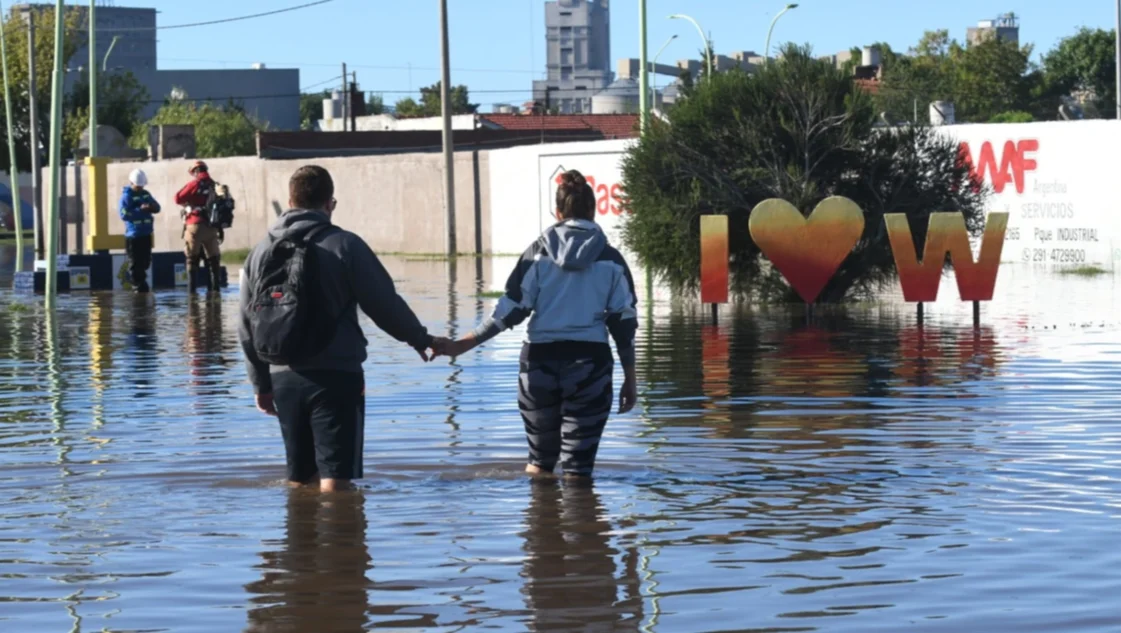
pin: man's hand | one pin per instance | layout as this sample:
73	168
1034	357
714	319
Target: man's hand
628	394
438	343
265	404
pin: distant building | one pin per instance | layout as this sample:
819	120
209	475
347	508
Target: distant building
1005	27
269	95
666	92
135	29
578	54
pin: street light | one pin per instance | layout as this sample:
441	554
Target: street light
654	70
704	38
767	50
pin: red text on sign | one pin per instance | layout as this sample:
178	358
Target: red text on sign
1016	159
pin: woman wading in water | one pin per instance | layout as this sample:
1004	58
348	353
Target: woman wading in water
576	289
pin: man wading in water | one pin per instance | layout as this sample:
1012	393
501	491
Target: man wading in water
299	330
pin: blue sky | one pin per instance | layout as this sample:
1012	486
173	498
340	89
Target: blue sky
497	46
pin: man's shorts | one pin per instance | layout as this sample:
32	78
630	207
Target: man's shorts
322	418
201	239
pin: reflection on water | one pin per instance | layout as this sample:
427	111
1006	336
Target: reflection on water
570	566
849	473
314	578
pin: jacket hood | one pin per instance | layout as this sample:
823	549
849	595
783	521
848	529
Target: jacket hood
574	244
296	221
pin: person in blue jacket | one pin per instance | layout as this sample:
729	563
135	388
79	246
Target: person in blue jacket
137	209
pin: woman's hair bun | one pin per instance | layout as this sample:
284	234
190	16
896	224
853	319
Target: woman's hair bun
572	178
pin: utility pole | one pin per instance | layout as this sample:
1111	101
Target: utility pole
13	167
446	111
353	94
644	73
56	159
345	98
33	142
93	79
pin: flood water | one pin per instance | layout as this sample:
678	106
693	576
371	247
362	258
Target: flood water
853	473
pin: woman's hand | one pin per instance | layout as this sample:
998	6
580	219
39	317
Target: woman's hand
628	394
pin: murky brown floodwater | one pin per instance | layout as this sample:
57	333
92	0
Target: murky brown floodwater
854	474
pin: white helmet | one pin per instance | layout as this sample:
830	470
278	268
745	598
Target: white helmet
138	178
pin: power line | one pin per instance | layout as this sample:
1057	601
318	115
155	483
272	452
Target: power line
325	81
358	66
134	29
222	21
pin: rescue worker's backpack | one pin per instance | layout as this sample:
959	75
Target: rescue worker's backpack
287	321
220	208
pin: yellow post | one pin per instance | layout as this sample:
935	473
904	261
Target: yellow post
99	237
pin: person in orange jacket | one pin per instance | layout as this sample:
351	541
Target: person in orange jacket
201	238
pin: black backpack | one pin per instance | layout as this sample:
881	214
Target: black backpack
287	320
220	211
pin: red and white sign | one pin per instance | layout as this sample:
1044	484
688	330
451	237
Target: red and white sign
1058	183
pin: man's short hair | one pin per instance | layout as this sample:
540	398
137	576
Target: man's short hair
311	187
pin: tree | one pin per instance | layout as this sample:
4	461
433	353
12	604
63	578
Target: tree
798	130
430	102
311	108
15	32
120	99
375	104
917	79
981	80
1085	63
219	130
991	77
408	107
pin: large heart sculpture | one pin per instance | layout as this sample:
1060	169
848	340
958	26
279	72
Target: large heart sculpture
807	251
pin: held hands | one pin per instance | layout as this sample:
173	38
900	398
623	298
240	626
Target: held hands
438	346
446	347
443	346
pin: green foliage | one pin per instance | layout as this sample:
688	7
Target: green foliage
120	99
797	130
15	34
375	104
1085	62
407	107
991	77
311	108
430	102
219	130
1012	117
982	80
235	256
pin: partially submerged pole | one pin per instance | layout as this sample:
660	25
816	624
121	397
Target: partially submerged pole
13	169
33	139
93	78
449	143
55	160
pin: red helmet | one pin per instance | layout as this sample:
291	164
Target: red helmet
197	167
